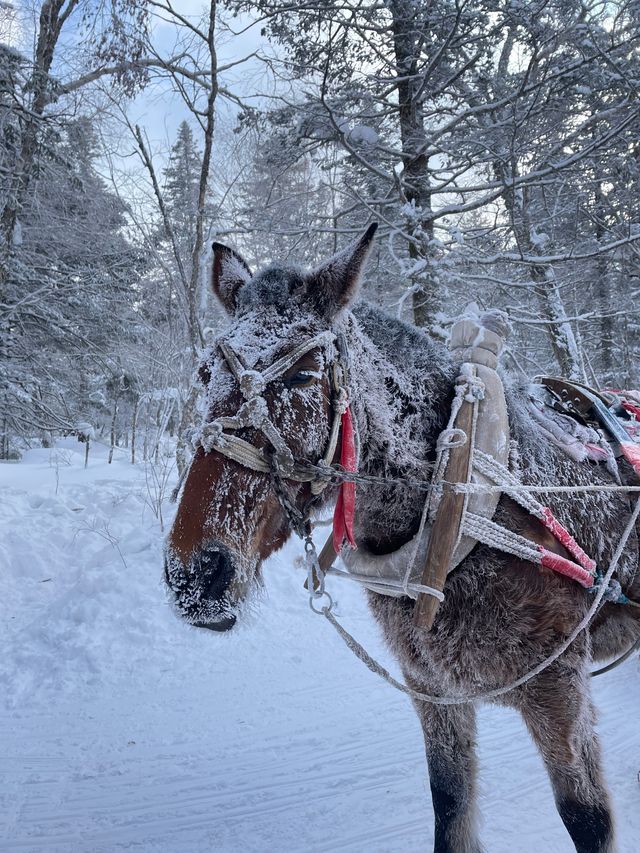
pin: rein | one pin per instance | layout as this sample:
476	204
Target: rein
280	464
375	667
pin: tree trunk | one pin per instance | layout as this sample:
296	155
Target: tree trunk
52	17
415	184
195	332
134	424
605	320
5	439
186	419
113	430
543	277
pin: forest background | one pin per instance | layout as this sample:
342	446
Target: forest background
497	143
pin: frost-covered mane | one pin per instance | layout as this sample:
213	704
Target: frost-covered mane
401	384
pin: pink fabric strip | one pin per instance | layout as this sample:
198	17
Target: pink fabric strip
631	453
566	567
565	538
344	513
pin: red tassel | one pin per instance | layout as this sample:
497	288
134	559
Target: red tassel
633	410
344	513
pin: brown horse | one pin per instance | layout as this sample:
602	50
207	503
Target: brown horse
271	407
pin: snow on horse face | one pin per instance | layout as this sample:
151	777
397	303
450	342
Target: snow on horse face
230	518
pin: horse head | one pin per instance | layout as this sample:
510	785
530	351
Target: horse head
271	384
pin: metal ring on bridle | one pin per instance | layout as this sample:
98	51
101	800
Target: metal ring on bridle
321	609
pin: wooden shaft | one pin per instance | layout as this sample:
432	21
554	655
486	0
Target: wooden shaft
446	525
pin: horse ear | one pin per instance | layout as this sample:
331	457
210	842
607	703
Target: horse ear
334	284
228	275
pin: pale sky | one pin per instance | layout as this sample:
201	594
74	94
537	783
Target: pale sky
159	110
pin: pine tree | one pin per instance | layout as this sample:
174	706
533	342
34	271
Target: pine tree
71	290
182	177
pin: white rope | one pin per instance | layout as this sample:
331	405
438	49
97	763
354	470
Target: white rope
475	390
500	475
449	438
372	580
340	406
378	669
482	487
495	536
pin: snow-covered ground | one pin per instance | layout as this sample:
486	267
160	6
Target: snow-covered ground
121	728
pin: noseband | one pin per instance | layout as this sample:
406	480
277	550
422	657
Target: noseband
280	463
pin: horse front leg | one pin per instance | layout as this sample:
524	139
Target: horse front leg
450	741
559	714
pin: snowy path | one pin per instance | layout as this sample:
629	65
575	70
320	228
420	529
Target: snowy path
123	729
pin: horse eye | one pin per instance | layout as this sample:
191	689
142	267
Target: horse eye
301	379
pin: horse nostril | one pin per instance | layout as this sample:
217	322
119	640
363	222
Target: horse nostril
216	571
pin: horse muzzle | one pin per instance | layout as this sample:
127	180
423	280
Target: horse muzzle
205	589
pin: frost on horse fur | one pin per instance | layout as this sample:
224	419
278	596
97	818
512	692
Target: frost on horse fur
500	617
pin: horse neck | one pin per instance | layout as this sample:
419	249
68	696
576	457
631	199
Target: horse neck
401	388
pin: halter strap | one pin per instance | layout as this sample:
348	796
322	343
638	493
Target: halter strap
254	413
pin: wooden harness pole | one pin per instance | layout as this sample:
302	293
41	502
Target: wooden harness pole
446	525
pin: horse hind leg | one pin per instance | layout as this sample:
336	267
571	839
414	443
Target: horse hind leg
450	735
559	714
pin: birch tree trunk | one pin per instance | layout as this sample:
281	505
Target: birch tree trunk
134	425
543	277
195	332
114	418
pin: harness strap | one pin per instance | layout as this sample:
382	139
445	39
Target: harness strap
500	475
281	465
245	454
496	536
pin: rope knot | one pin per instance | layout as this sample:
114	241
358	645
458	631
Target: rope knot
251	383
323	478
342	401
209	437
284	461
253	412
613	591
449	438
469	385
